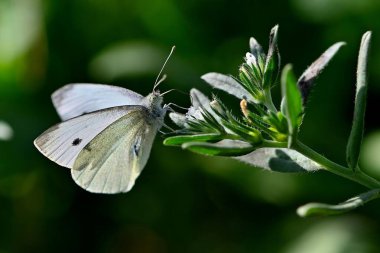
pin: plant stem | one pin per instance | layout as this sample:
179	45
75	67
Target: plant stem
274	144
357	175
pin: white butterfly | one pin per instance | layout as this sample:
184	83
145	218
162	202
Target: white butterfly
106	136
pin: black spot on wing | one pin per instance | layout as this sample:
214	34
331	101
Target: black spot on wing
136	146
76	142
136	150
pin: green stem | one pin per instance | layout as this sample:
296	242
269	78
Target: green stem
357	175
274	144
233	137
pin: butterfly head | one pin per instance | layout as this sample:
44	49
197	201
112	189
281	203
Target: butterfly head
154	104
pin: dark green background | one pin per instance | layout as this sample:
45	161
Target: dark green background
182	202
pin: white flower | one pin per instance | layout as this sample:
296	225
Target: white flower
251	60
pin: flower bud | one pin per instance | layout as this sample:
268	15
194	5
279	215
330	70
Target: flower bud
217	107
251	60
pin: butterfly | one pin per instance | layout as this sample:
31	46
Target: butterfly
106	135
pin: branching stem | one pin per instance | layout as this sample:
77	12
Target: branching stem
357	175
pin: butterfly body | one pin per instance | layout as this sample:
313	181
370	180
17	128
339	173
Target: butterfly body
106	134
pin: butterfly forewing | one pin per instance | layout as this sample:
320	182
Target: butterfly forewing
63	142
112	161
73	100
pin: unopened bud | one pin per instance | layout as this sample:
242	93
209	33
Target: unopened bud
216	106
251	60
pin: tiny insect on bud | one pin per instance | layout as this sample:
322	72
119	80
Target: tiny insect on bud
244	107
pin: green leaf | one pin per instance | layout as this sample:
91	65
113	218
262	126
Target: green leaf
224	148
249	134
319	209
199	100
280	160
306	81
180	139
293	102
356	135
272	63
227	84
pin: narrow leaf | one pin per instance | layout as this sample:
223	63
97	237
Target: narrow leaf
293	102
319	209
356	135
247	133
180	139
306	81
212	119
219	149
272	63
199	100
227	84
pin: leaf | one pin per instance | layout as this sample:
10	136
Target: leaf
319	209
227	84
306	81
180	139
272	63
356	135
223	148
249	134
199	100
293	102
280	160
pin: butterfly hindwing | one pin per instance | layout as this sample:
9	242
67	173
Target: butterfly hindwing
63	142
113	160
73	100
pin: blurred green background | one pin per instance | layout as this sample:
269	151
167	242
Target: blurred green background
182	202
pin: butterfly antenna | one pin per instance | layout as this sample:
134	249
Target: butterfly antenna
166	92
157	82
170	104
160	81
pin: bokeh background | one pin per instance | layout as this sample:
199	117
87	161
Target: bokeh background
182	202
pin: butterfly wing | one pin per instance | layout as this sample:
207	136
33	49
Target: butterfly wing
113	160
73	100
63	142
